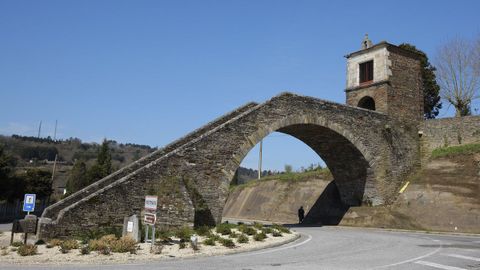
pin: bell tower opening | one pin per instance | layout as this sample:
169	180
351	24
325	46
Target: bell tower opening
367	103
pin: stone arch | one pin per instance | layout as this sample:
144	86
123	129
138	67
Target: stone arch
367	102
347	158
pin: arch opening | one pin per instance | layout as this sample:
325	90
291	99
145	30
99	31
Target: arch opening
349	169
367	102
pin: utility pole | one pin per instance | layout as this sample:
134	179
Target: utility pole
260	161
39	129
55	133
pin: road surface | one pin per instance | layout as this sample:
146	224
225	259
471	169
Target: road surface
333	248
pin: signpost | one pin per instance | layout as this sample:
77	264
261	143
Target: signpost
29	203
150	217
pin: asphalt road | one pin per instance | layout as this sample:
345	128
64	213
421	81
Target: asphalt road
334	248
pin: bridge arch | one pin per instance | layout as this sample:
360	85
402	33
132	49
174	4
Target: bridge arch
347	158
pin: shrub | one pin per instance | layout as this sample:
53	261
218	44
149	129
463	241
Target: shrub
164	235
248	230
55	242
17	244
233	234
267	230
281	228
209	241
184	233
49	246
4	251
223	229
124	244
203	230
85	250
182	245
69	244
226	242
257	225
27	250
108	239
259	236
243	238
104	250
276	233
97	245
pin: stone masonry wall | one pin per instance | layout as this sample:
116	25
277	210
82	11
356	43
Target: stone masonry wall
405	98
450	131
378	92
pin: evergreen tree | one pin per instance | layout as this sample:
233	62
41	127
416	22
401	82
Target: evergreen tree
77	178
38	182
431	90
7	181
103	166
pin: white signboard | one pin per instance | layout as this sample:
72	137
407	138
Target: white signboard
130	226
150	219
151	203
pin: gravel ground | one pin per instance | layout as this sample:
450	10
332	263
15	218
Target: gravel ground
54	256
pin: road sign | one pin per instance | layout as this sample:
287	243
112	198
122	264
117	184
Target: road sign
151	203
29	203
150	218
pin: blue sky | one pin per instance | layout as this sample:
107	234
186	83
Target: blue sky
148	72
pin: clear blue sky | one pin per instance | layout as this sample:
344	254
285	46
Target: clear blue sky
148	72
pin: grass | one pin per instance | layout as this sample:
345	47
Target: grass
323	173
451	151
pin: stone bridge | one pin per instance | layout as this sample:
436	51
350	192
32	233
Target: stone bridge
369	154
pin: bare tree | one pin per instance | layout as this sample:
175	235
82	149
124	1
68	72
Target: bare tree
458	73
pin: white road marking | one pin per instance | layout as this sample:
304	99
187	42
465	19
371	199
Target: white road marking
412	260
439	266
274	250
463	257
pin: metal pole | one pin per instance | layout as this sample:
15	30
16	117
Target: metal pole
260	161
39	129
55	133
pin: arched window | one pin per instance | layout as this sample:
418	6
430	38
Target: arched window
367	103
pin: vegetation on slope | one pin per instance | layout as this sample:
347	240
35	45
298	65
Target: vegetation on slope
456	150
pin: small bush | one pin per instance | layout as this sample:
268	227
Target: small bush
281	228
209	241
4	251
97	245
267	230
164	235
105	250
85	250
257	225
203	230
223	229
17	244
248	230
55	242
108	239
276	233
184	233
49	246
243	238
124	244
259	236
27	250
233	234
182	245
69	244
226	242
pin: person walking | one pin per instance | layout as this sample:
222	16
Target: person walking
301	214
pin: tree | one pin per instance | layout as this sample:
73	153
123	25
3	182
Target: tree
288	168
77	178
38	182
458	73
7	180
431	90
103	166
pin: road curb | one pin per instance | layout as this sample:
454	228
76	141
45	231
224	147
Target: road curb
411	231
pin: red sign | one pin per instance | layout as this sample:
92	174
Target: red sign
150	218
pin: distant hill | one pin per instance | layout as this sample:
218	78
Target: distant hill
33	152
